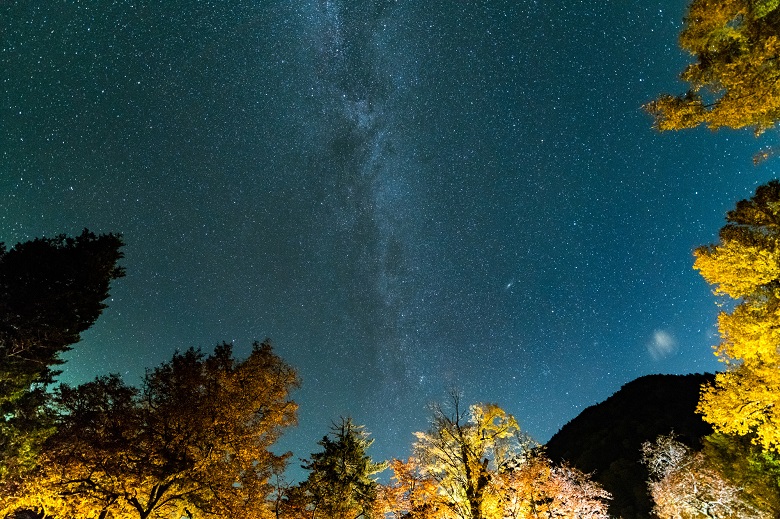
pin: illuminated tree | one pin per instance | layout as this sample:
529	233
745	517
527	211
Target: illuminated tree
51	290
573	494
410	494
536	488
531	487
477	464
734	81
340	485
518	492
464	450
748	466
684	485
193	441
745	265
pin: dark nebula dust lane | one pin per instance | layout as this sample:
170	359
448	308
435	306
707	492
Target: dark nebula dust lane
367	210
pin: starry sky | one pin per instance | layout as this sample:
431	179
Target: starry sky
404	196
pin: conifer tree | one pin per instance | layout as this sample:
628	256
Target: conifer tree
340	485
51	290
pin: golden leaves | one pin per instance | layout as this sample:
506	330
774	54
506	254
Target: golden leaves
750	333
677	113
737	269
478	465
736	70
745	399
745	265
411	493
196	436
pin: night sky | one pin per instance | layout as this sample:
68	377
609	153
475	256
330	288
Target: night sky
404	196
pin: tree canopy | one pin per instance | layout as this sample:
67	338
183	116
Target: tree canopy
463	449
340	483
745	265
476	464
735	80
195	439
686	485
51	290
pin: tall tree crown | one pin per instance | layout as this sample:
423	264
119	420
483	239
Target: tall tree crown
196	438
734	81
340	484
51	290
745	265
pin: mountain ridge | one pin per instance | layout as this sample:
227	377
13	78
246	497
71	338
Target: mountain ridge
605	439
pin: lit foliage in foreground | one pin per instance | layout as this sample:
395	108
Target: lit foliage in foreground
194	441
462	451
538	489
411	493
745	265
685	485
734	82
748	466
479	466
531	489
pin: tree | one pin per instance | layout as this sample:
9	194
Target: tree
735	79
463	450
530	487
684	485
516	492
477	464
745	265
572	494
410	494
748	466
51	290
103	413
538	489
195	439
340	485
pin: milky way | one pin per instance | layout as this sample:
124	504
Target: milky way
368	199
404	196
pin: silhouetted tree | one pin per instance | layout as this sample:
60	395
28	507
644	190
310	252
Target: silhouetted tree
51	290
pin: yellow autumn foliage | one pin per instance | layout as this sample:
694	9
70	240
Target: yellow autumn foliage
750	332
746	400
745	265
476	464
194	441
733	82
736	269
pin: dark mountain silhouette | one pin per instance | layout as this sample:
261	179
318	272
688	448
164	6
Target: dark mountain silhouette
605	439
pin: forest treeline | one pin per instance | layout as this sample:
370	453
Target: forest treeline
195	438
